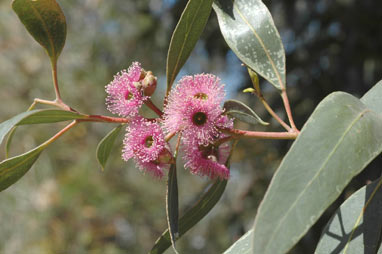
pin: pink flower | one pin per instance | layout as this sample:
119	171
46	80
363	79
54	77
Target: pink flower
206	160
194	107
124	94
144	141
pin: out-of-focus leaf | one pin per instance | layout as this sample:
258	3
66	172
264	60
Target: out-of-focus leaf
12	169
193	216
338	141
45	21
373	98
242	112
356	226
50	116
243	245
106	145
249	30
187	32
172	204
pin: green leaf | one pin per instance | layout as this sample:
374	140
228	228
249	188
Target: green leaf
373	98
356	226
243	245
338	141
12	169
242	112
172	205
45	21
187	32
193	216
50	116
249	30
105	146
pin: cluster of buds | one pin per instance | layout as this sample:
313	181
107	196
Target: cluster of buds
193	111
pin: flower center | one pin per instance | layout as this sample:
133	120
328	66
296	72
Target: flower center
201	96
199	118
128	96
149	141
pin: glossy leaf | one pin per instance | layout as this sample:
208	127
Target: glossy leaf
340	138
242	112
243	245
105	146
45	21
373	98
249	30
172	205
356	226
193	216
187	32
12	169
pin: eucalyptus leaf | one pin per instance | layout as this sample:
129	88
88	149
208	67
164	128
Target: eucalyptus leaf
172	205
12	169
249	30
356	226
243	245
373	98
35	117
242	112
187	32
50	116
45	21
192	216
337	142
106	145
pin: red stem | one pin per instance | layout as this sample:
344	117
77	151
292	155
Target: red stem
261	135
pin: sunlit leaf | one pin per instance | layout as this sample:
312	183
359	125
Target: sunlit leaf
356	226
45	21
242	112
105	146
373	98
338	141
243	245
249	30
185	36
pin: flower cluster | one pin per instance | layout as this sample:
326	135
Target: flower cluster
193	111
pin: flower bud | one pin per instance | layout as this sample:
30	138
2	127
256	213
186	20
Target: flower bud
149	84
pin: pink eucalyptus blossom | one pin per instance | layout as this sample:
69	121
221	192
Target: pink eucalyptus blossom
144	141
124	94
206	160
194	107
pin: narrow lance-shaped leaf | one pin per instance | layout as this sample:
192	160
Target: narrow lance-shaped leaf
338	141
45	21
373	98
187	32
36	117
12	169
356	226
249	30
242	112
192	216
172	205
106	145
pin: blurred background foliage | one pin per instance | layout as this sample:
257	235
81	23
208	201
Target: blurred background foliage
66	204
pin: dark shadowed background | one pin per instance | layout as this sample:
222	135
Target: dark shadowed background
66	204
